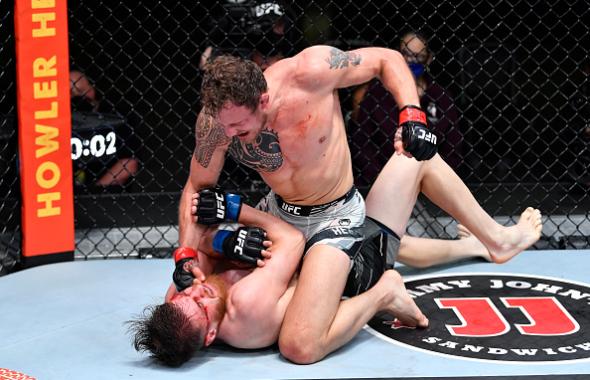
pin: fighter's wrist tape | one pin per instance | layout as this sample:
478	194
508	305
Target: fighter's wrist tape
412	113
234	206
218	240
184	253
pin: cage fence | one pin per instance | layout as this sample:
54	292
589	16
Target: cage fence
504	85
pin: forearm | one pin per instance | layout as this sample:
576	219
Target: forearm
287	242
397	78
189	233
250	216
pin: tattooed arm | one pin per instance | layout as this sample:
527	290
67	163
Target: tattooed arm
206	165
325	68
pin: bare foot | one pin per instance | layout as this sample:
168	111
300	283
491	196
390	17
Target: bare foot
471	244
398	302
515	239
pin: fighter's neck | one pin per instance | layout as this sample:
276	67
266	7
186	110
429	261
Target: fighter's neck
231	276
275	104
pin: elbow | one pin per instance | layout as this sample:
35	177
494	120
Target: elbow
396	57
391	58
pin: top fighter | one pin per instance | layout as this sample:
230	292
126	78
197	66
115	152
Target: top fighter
286	123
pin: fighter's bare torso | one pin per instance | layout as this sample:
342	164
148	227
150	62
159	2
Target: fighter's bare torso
302	151
242	326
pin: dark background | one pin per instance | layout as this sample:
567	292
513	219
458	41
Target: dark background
515	69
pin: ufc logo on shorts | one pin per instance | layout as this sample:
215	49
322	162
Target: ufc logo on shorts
239	248
220	207
427	136
480	318
291	209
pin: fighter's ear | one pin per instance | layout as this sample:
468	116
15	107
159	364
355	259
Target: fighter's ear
211	335
264	100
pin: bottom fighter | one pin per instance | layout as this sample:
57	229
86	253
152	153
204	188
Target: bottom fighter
215	298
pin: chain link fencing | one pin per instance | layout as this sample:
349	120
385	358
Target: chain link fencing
505	88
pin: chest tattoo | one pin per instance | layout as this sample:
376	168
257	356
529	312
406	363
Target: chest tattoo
264	154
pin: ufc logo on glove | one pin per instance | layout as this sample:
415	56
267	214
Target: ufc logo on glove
426	136
220	207
239	248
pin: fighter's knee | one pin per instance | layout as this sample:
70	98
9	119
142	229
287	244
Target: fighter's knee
299	350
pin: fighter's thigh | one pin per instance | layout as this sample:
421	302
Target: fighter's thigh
393	195
317	294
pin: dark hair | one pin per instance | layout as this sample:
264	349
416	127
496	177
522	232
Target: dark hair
231	79
165	331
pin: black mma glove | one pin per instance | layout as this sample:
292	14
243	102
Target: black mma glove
217	207
417	139
183	277
245	244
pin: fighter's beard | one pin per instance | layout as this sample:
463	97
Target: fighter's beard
217	282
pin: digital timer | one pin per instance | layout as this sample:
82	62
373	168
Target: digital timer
96	146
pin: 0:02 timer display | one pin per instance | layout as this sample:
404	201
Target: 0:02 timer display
96	146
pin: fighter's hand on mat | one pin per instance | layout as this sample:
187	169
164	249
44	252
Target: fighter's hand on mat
246	244
415	137
212	206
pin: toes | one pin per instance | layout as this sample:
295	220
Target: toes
423	322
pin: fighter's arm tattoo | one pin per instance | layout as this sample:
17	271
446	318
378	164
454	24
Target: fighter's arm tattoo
210	135
339	59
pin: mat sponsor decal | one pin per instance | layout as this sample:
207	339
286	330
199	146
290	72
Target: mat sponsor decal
498	317
7	374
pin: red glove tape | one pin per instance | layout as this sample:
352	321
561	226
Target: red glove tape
412	113
184	253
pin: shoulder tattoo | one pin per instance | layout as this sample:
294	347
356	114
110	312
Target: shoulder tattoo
339	59
210	135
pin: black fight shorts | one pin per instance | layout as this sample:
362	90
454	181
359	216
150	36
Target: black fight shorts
375	255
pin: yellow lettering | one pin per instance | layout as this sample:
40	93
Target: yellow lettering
44	90
46	140
45	67
38	4
48	199
52	169
43	30
47	114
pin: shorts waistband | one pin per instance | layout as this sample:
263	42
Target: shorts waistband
299	210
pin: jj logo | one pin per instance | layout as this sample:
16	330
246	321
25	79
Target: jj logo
480	318
499	317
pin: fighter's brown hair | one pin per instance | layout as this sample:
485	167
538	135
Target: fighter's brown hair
231	79
165	331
